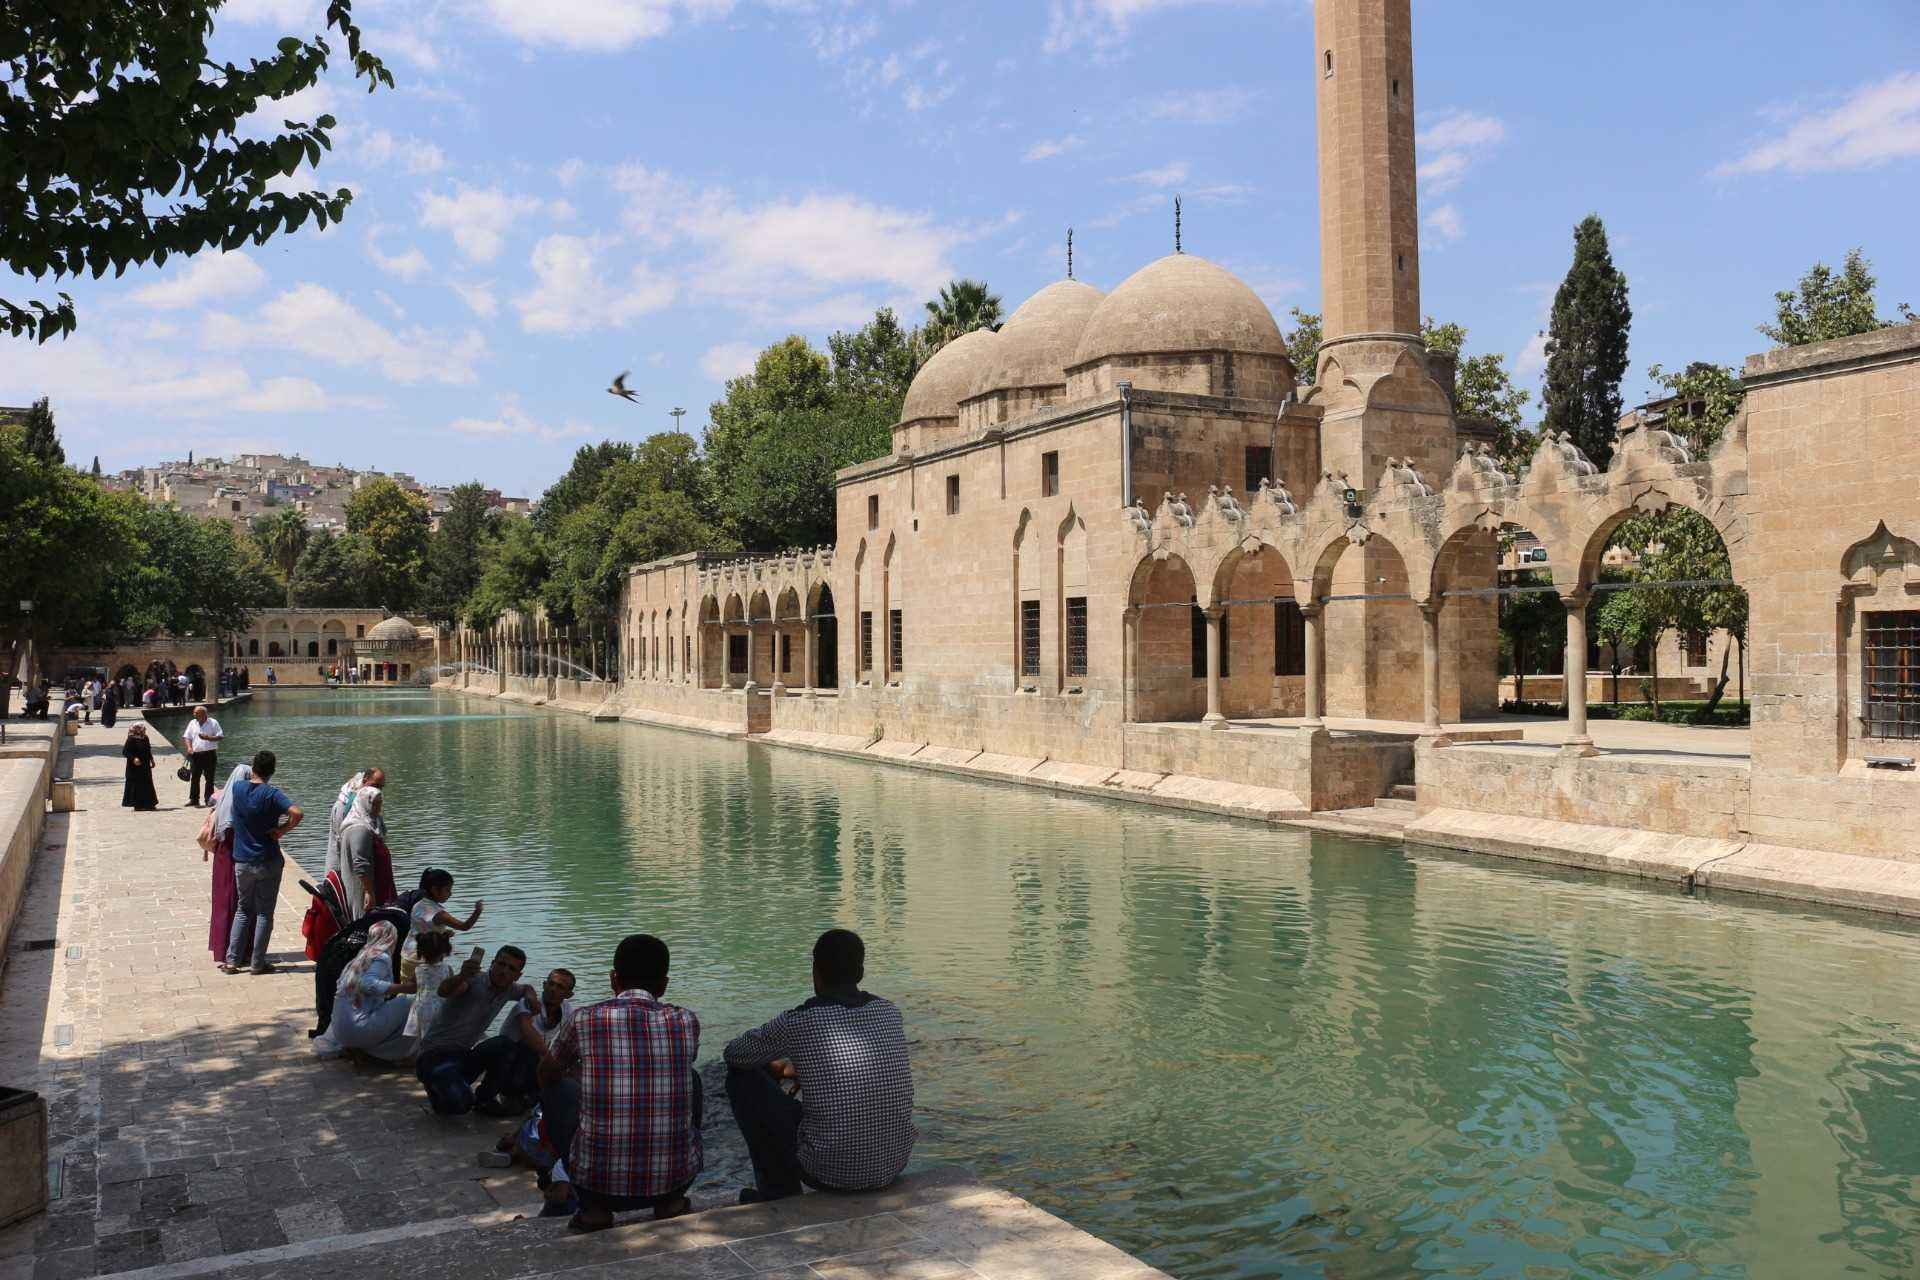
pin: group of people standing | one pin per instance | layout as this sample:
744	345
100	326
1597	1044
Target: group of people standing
201	741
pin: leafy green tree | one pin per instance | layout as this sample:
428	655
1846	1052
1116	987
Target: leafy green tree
1675	547
1623	625
1529	624
190	576
454	551
1484	390
60	532
283	537
42	437
393	524
511	574
96	466
113	108
961	307
334	573
1303	346
1587	346
876	361
1827	305
580	484
1706	397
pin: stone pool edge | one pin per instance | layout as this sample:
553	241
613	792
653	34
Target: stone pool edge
1814	876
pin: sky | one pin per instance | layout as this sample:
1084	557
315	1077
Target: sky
559	190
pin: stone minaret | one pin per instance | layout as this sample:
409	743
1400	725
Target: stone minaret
1369	209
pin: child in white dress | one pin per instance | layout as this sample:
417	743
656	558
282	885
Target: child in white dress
430	915
432	969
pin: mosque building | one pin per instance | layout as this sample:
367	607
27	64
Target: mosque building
1118	548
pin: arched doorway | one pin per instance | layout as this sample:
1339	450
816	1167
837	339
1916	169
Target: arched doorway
1163	671
826	639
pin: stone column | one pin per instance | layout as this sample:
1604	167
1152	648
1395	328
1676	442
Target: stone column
807	630
1430	668
1130	666
1316	707
779	681
1579	742
1213	719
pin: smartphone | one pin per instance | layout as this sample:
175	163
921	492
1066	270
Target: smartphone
477	953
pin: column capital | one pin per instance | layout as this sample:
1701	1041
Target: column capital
1575	597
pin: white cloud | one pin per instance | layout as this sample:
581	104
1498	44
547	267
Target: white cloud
512	420
575	292
729	360
779	257
312	320
478	218
1203	106
210	277
1101	23
570	171
1166	175
1048	148
478	296
85	372
304	106
290	14
408	265
404	43
1877	124
415	155
1532	360
595	26
1445	222
1451	142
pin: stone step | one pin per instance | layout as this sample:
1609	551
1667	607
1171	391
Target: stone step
1395	804
1403	791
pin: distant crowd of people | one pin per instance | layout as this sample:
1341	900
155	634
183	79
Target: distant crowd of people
606	1101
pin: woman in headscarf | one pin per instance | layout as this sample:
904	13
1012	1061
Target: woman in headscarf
110	705
369	1008
360	832
337	815
139	794
216	843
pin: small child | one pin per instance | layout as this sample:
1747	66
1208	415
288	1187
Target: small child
431	916
431	970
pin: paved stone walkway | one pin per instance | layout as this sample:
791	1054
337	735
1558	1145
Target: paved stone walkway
193	1133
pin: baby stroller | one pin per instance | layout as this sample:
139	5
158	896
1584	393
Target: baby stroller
326	914
339	952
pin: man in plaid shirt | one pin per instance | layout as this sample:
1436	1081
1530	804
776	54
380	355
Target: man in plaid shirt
851	1128
638	1141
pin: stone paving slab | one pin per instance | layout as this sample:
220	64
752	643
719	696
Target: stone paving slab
193	1133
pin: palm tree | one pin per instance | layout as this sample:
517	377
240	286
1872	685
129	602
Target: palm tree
283	536
963	306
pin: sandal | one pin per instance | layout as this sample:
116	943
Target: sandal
231	969
579	1226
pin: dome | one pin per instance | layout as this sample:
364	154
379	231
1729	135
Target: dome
393	629
945	380
1180	303
1037	342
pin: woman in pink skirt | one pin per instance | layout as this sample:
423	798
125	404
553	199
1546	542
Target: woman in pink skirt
216	843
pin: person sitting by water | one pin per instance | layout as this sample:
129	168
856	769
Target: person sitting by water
430	915
532	1026
851	1129
369	1008
452	1056
633	1141
35	701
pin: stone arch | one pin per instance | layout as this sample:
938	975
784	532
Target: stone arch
333	635
1160	601
892	622
1263	640
1366	583
1071	578
1625	502
1029	651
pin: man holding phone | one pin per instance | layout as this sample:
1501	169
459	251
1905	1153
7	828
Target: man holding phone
452	1054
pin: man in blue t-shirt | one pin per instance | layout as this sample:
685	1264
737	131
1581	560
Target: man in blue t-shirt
262	813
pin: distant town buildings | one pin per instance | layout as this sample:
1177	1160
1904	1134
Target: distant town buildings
254	484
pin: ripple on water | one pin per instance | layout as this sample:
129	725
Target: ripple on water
1235	1051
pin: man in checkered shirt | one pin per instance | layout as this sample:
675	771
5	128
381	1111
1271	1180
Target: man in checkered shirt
851	1129
638	1141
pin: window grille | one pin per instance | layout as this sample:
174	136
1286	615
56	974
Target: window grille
1029	637
1076	636
896	643
1891	640
1696	648
737	655
866	640
687	660
1289	639
1259	466
1049	474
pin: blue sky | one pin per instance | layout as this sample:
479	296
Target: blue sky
562	189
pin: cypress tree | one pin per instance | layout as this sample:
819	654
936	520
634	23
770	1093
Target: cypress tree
96	466
43	442
1587	345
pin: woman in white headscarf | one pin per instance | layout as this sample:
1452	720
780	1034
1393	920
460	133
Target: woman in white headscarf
369	1008
359	832
342	806
216	843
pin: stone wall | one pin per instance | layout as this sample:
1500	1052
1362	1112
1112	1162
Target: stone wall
138	655
27	760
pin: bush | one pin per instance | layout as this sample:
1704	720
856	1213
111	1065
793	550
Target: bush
1727	714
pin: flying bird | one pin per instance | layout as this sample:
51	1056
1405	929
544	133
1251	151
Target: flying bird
621	389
